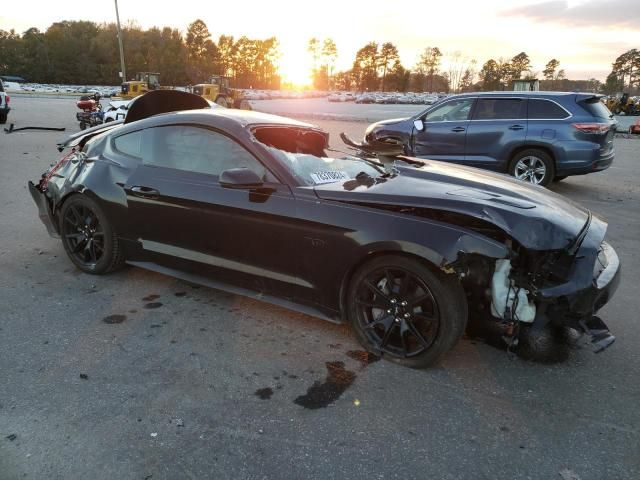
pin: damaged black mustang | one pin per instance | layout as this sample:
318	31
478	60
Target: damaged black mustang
405	250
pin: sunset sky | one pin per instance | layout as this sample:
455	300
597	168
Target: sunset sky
585	35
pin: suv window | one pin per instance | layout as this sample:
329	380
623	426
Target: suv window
545	109
453	110
596	108
199	150
129	144
499	109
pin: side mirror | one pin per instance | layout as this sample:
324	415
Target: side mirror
418	124
240	178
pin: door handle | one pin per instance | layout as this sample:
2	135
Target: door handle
145	192
516	127
458	129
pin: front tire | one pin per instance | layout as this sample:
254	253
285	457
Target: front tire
534	166
87	236
407	313
3	118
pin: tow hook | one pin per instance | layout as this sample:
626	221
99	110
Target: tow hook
601	337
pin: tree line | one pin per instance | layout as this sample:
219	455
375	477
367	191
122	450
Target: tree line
83	52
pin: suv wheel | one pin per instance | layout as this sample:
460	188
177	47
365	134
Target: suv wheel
3	118
533	166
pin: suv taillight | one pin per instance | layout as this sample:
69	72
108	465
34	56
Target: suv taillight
591	127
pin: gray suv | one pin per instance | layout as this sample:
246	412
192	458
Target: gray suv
535	136
4	105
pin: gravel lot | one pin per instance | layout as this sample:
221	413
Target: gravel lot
139	376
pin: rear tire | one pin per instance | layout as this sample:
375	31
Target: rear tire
87	236
3	118
404	311
559	178
533	166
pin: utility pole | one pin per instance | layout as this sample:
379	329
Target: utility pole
124	73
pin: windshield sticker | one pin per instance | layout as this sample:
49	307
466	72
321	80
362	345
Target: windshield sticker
329	177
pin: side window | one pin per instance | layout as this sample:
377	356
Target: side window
199	150
130	144
544	109
453	110
499	109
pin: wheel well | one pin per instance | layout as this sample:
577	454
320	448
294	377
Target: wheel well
58	206
346	280
546	150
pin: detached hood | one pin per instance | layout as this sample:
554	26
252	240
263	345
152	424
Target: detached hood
537	218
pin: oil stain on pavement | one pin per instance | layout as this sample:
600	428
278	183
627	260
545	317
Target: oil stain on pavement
264	393
153	305
362	356
321	395
111	319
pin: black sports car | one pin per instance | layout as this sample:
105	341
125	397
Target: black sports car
403	249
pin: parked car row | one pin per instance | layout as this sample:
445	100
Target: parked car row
400	98
251	94
55	88
106	92
409	98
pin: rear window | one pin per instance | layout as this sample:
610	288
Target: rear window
546	110
499	109
129	144
596	108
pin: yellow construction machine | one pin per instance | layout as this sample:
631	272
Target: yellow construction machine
218	91
623	103
144	82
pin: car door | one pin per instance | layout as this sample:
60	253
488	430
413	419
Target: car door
498	126
444	131
185	220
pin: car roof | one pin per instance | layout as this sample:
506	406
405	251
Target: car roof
244	117
233	121
229	119
512	93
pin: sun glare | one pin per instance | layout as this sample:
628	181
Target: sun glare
295	66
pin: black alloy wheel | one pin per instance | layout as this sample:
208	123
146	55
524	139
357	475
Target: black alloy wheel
403	311
87	236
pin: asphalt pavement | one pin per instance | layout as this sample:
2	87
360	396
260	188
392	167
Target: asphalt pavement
136	375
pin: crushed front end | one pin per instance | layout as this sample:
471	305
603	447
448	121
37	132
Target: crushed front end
560	288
